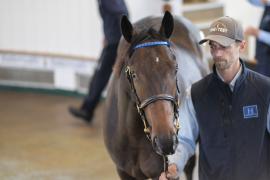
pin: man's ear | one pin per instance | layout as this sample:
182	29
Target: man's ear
242	45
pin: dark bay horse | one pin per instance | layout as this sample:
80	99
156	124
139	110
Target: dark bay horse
141	122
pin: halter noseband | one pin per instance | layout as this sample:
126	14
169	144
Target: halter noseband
141	105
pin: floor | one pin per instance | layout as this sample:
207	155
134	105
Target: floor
40	140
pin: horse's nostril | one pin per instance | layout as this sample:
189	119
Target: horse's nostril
165	145
156	145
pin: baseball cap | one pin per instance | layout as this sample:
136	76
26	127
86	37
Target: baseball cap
225	31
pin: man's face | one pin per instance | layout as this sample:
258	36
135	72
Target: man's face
224	57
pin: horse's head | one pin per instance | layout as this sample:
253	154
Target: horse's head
151	70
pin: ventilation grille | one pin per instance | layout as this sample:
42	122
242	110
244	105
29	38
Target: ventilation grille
83	81
27	75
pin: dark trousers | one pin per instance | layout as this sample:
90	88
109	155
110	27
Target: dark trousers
100	78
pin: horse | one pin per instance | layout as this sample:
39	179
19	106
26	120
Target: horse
141	120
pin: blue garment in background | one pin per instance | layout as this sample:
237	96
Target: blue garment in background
111	12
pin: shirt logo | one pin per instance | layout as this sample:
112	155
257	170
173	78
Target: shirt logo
250	111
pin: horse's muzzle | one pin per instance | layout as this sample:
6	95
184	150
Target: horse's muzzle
165	145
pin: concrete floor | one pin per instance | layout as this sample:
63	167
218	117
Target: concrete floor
40	140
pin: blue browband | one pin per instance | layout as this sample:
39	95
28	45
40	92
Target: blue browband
149	44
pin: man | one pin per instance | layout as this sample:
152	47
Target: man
228	112
262	38
111	12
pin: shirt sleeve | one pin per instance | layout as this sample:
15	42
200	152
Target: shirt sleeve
187	136
264	36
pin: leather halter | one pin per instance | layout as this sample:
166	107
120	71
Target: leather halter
167	97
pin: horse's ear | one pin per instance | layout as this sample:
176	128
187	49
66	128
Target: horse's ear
167	25
126	28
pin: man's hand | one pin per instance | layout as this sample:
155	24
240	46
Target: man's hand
264	1
252	31
172	173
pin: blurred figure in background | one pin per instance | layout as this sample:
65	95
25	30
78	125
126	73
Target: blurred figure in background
111	12
262	35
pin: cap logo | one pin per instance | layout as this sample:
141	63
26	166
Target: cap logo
219	27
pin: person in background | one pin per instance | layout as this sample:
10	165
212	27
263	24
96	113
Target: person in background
262	35
228	113
111	12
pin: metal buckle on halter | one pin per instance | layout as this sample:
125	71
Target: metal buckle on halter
146	130
177	125
127	71
139	109
177	103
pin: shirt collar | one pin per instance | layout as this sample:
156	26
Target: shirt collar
232	83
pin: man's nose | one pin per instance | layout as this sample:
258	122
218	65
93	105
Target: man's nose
217	52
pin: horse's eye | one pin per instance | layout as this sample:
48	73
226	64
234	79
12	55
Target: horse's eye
134	76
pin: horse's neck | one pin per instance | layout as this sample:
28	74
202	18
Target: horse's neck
188	41
187	66
188	69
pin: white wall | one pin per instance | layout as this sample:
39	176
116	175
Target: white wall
74	27
141	8
243	11
71	27
247	14
56	26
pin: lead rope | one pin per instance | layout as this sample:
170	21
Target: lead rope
165	163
